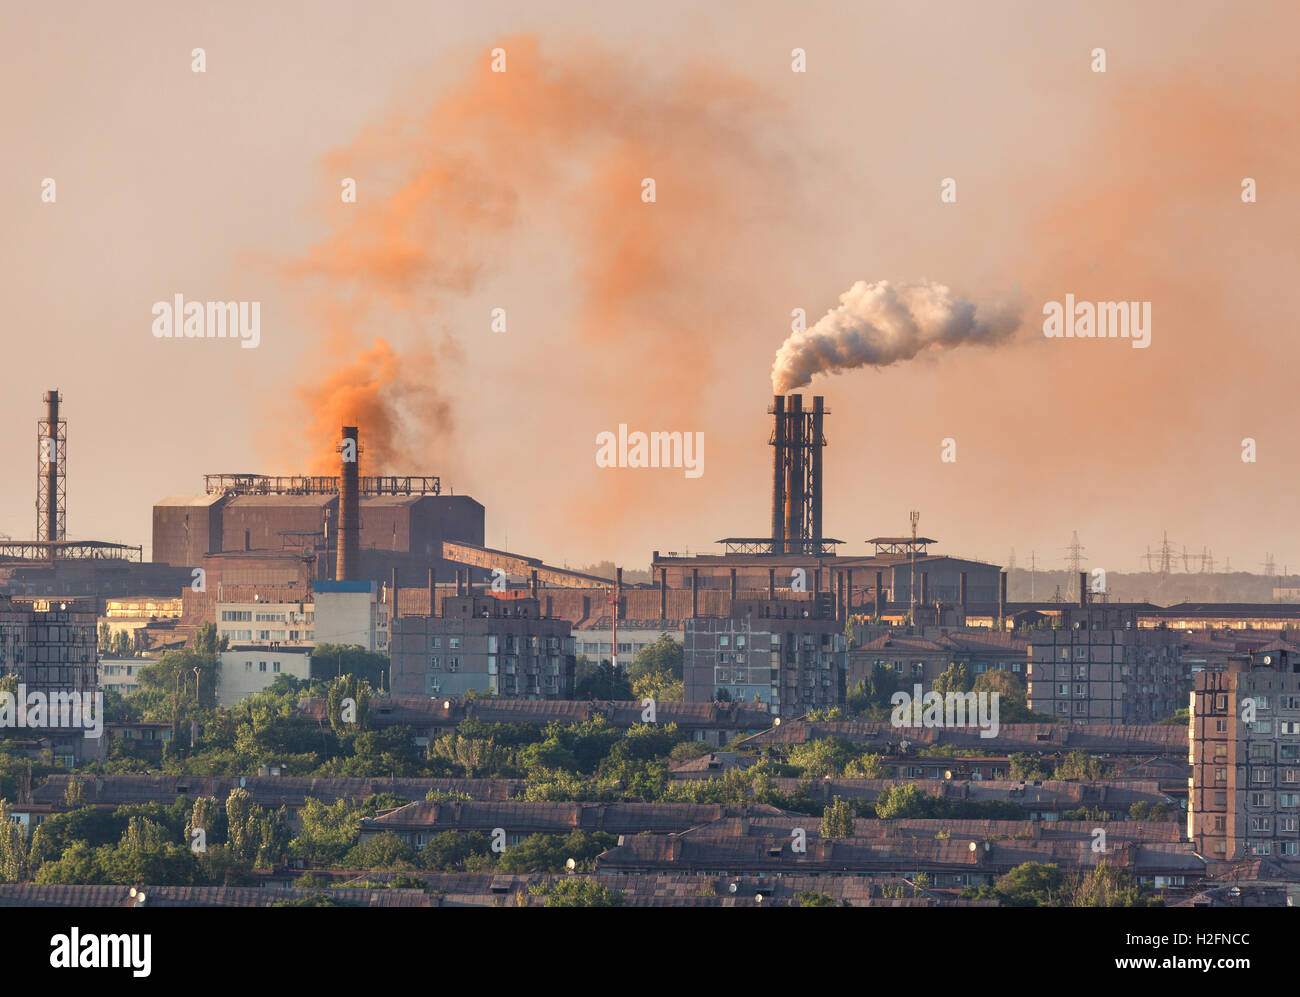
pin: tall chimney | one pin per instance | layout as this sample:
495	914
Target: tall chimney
794	482
961	594
1083	588
349	561
52	467
815	460
1002	596
778	474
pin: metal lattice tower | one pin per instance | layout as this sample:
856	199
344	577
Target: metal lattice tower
1166	554
1076	559
51	461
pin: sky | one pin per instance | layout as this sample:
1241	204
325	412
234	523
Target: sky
774	190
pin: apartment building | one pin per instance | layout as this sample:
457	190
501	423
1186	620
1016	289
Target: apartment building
789	656
247	669
484	645
1244	797
266	622
352	613
1098	668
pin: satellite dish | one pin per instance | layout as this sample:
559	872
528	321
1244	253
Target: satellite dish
1268	659
972	846
731	888
947	773
758	898
776	722
570	864
446	704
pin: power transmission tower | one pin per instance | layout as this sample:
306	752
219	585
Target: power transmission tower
1011	561
1166	554
1207	561
1148	557
1033	568
1270	566
1075	550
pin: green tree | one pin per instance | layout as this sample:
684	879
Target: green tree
13	848
578	893
955	679
837	820
1106	886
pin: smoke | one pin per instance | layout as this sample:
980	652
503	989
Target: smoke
882	323
558	144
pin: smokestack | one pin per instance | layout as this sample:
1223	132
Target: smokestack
1002	596
51	466
794	473
778	478
663	593
880	593
815	467
349	560
961	595
1083	588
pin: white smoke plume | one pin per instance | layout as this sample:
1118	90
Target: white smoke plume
879	324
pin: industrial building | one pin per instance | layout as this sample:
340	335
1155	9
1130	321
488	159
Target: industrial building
261	529
51	565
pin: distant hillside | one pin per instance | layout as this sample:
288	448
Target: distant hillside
1162	590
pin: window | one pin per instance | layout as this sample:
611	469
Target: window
261	666
453	642
437	642
248	666
275	666
433	663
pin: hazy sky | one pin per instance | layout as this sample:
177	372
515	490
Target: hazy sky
776	190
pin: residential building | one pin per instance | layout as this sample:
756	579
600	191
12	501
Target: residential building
483	645
789	656
1244	795
246	669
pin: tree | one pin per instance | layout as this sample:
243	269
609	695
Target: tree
837	820
206	641
809	898
1013	703
13	848
1106	886
603	681
1032	884
663	657
348	703
954	679
578	893
332	660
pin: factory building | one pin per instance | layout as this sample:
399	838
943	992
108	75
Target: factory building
484	645
1245	753
347	527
